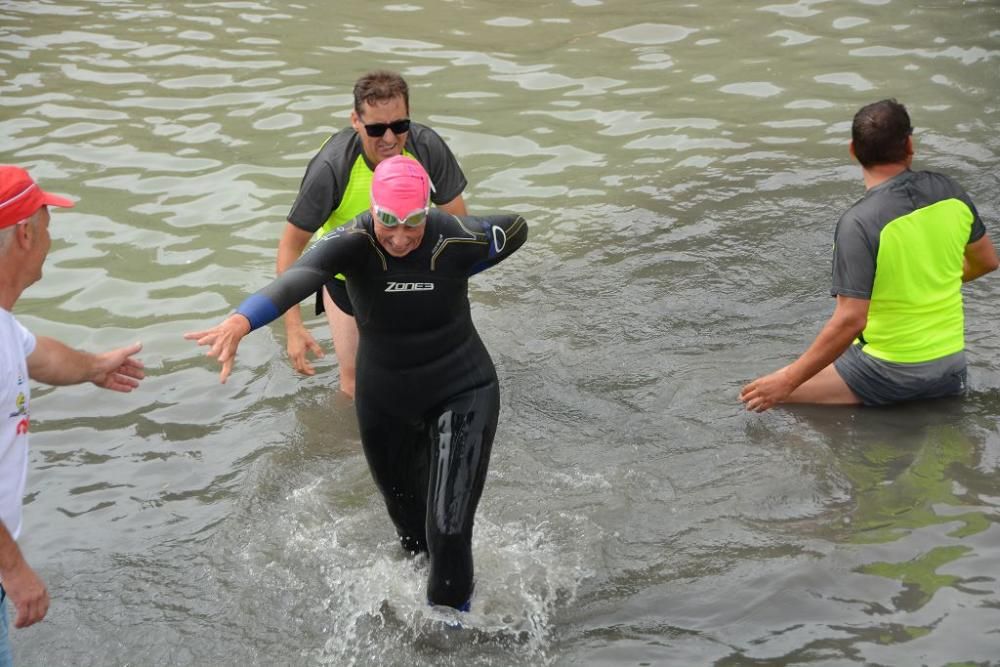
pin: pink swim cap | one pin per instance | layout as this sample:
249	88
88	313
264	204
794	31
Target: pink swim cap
400	185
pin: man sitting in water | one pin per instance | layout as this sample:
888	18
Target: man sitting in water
900	256
427	394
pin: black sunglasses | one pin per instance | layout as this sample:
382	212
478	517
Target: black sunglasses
397	126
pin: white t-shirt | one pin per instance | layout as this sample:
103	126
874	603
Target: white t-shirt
16	343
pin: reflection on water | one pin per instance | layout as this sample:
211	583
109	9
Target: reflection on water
919	474
682	172
907	508
899	491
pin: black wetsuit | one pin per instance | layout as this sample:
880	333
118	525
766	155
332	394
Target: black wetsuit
427	397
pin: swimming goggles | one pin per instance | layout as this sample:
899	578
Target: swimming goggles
414	218
400	126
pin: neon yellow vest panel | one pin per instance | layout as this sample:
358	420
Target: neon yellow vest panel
916	310
353	202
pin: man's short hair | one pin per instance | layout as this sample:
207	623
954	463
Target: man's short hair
7	233
380	86
879	133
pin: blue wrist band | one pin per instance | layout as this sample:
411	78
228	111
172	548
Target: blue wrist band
259	310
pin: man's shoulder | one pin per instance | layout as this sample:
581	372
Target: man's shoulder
927	175
15	335
425	142
8	320
883	203
901	196
420	133
430	150
340	149
916	190
937	184
861	211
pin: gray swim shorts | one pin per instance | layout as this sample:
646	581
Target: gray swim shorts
878	382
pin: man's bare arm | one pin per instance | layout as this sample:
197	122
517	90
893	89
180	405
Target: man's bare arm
455	207
847	321
980	259
293	242
25	589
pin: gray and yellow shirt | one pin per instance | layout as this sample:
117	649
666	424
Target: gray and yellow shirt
335	187
902	246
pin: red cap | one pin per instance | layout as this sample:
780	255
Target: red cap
400	185
20	196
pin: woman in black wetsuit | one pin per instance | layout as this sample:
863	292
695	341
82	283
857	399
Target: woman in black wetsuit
427	397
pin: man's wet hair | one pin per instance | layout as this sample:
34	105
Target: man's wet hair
879	133
380	86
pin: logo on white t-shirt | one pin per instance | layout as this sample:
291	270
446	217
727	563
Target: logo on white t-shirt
21	403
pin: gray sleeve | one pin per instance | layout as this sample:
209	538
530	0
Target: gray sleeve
978	228
319	195
440	163
950	189
853	260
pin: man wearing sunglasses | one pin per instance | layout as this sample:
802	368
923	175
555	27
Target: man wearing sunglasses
335	189
427	391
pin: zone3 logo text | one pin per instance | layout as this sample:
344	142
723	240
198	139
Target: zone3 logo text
408	287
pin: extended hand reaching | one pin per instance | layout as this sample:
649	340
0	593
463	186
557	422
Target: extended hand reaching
224	339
